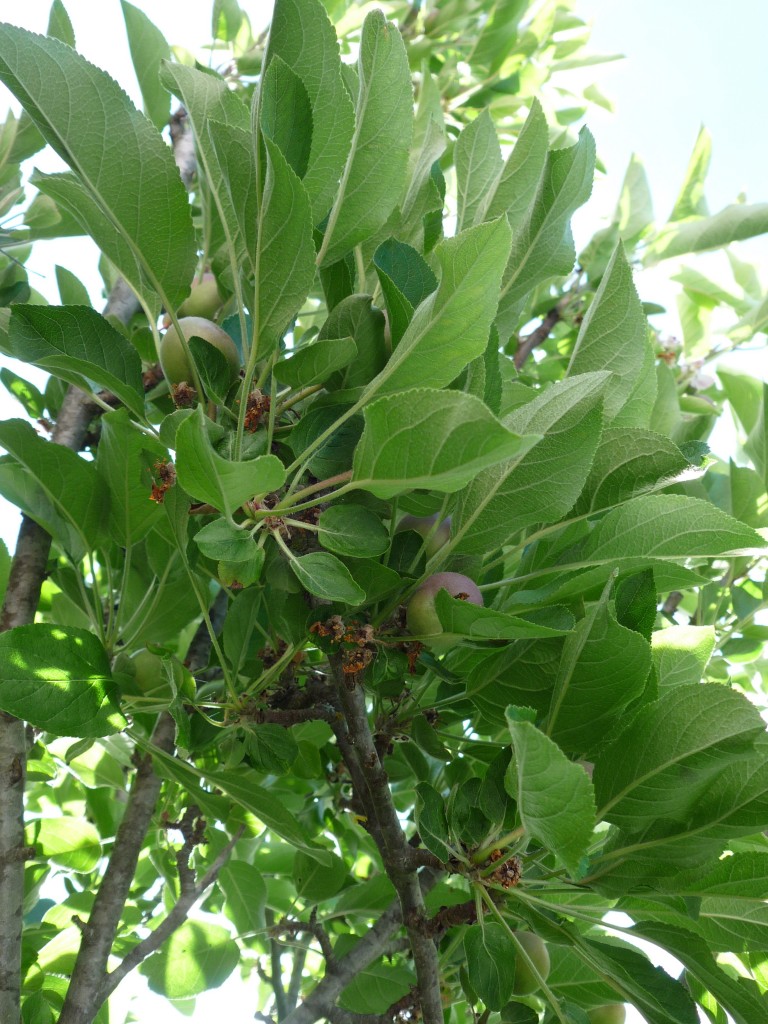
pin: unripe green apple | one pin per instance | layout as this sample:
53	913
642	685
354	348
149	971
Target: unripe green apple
204	299
421	616
425	527
525	981
610	1013
150	674
174	359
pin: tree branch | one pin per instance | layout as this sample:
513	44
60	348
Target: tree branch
313	928
527	344
372	789
84	994
183	146
28	570
294	987
167	927
322	1000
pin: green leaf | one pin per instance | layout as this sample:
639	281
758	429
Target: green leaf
450	328
286	114
634	211
226	19
739	876
352	530
603	670
355	317
147	224
570	976
542	485
734	804
478	165
68	482
614	336
543	245
372	179
30	397
741	997
628	461
406	280
465	619
212	479
690	201
660	998
431	821
681	654
745	394
498	35
317	882
490	957
59	24
22	489
691	732
554	795
72	291
376	988
58	680
421	206
748	492
733	224
5	568
303	37
221	126
213	367
245	788
148	47
37	1010
246	895
68	842
314	363
197	957
668	526
518	180
325	576
457	437
221	540
377	580
729	926
123	460
285	259
77	344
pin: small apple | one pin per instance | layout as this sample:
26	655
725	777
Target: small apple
610	1013
435	537
421	616
174	359
204	299
525	981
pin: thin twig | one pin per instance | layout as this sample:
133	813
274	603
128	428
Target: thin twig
376	942
168	926
527	344
297	973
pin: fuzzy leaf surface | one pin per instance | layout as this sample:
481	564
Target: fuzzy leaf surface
432	439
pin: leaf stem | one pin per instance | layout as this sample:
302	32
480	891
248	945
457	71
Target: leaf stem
482	855
523	954
298	396
321	485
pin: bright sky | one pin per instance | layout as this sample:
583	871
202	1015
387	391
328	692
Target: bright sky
688	62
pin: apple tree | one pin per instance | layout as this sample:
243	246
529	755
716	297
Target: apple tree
379	618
